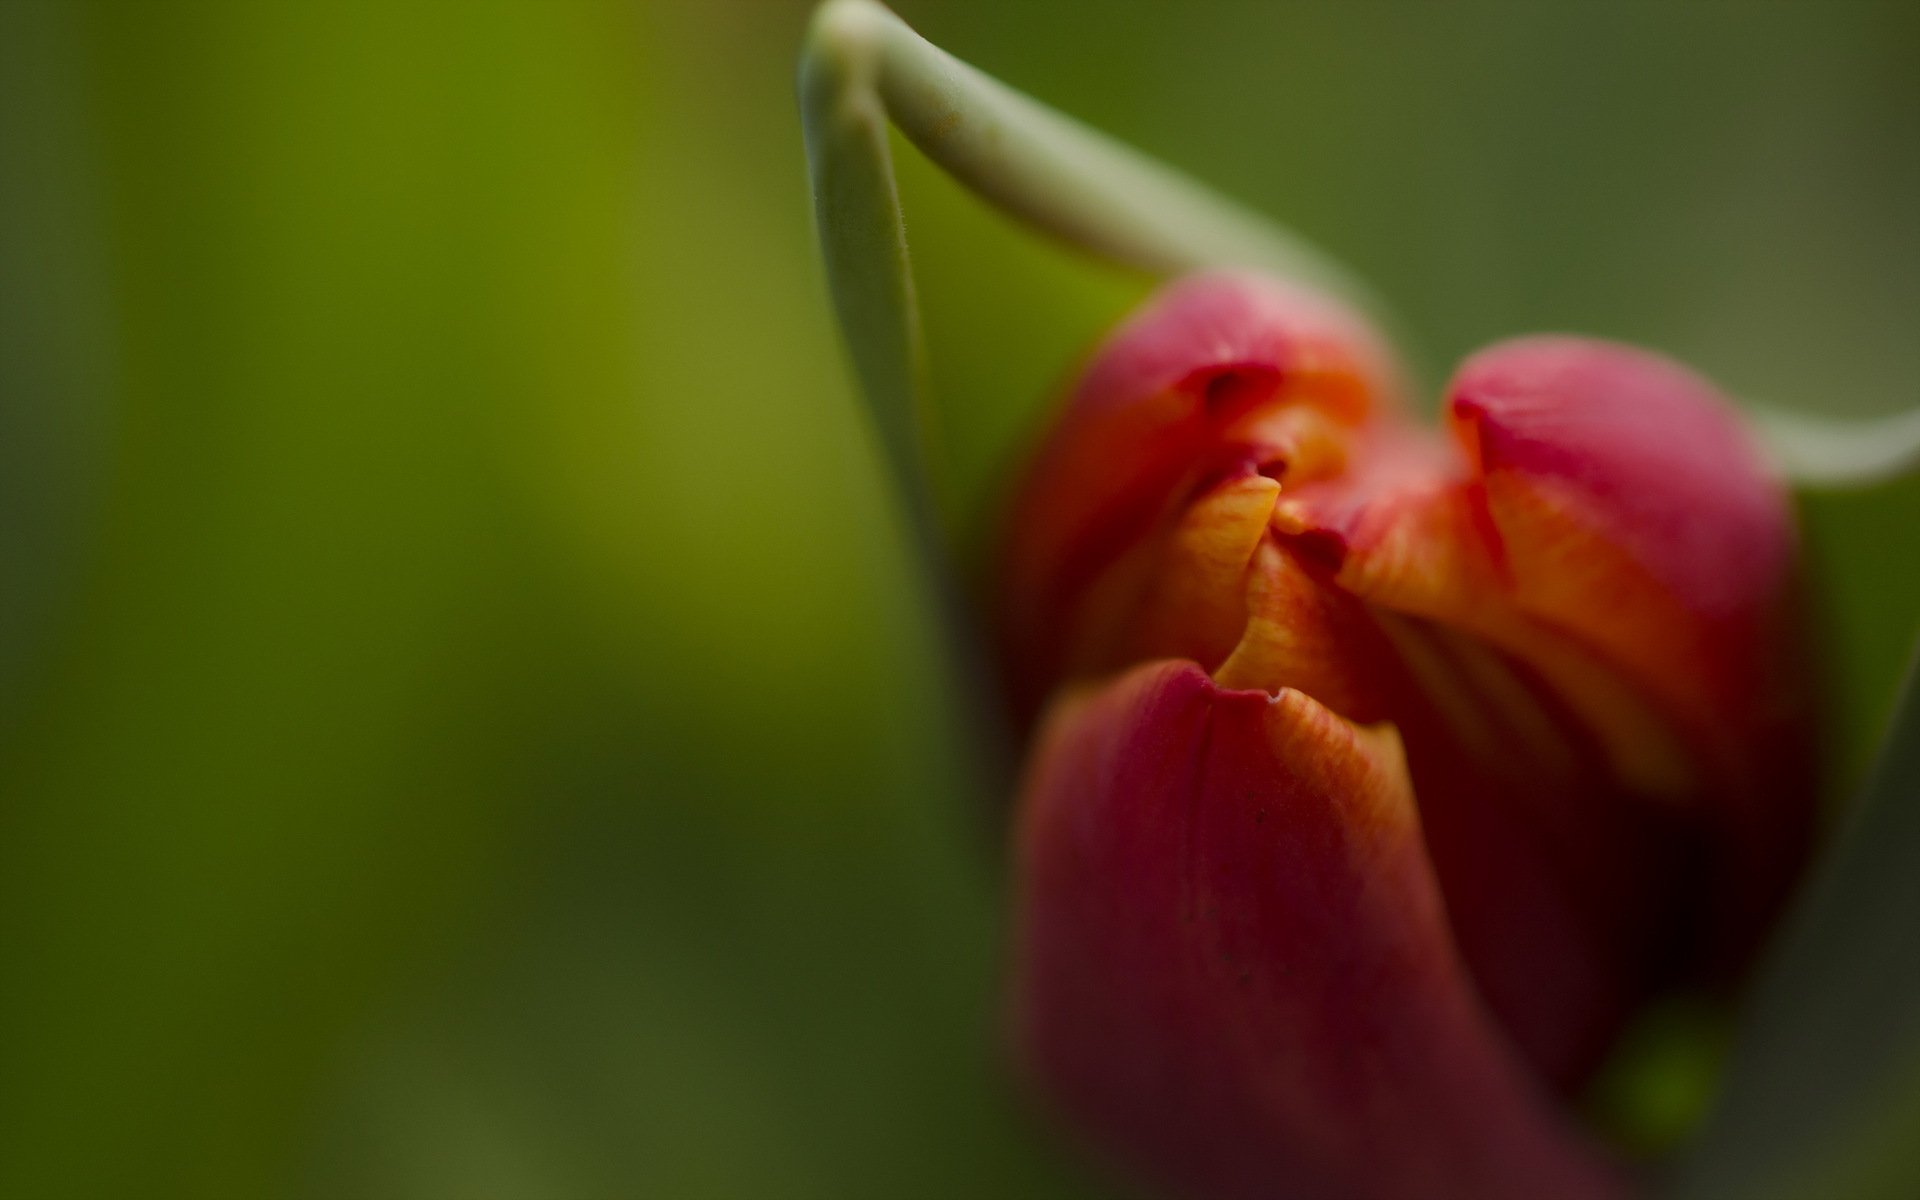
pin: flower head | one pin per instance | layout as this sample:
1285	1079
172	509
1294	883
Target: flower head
1382	773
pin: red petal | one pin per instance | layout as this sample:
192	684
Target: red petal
1180	397
1234	969
1636	517
1606	442
1578	613
1607	523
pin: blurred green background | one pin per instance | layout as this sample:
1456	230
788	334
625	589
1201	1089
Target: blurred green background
467	723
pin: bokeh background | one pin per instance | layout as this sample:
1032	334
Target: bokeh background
468	723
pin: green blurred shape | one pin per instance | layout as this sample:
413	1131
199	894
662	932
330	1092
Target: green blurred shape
1864	567
1822	1097
56	349
274	741
1660	1078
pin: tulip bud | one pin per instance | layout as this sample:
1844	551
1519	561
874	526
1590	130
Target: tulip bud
1380	773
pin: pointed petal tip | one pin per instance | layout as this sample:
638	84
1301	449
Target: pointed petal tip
1233	967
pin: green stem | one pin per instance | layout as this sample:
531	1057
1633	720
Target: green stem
1829	452
863	241
863	67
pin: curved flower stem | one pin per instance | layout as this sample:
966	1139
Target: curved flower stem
863	240
861	68
1827	452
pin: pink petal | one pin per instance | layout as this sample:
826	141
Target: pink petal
1234	969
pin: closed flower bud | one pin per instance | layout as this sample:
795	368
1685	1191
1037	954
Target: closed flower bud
1381	773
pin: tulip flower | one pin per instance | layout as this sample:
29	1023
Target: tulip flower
1379	774
1385	772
